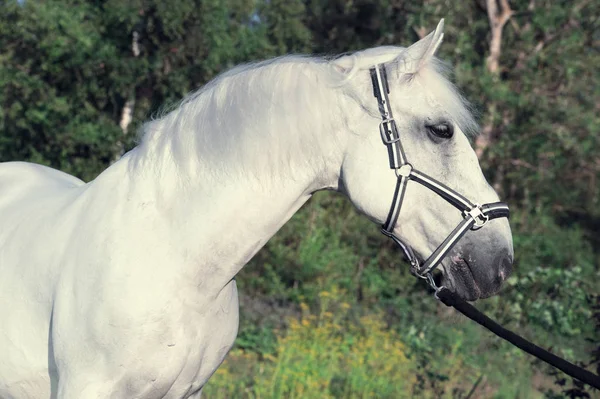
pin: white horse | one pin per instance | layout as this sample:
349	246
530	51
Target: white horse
124	287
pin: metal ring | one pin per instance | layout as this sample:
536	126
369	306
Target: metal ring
432	283
479	223
480	218
404	170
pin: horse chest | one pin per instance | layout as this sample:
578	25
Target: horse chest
170	354
195	352
213	336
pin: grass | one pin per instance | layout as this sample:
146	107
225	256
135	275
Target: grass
337	352
332	353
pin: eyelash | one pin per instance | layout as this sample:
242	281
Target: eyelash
442	130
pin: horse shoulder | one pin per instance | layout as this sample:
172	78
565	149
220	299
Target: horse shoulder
31	197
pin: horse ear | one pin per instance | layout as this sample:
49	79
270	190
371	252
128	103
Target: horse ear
416	56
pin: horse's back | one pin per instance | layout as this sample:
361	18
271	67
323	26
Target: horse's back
20	178
32	198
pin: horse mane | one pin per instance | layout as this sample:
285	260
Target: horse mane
261	115
249	117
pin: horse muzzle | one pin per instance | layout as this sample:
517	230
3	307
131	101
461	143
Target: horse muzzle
478	265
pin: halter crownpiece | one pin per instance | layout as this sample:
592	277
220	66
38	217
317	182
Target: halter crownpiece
474	215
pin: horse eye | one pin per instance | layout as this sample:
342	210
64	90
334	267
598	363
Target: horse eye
443	130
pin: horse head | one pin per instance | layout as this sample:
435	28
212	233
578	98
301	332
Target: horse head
404	116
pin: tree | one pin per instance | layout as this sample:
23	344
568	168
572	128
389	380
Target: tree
56	93
71	71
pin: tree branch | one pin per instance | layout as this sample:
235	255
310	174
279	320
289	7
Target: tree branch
499	13
498	17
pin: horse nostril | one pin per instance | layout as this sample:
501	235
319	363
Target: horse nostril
502	275
505	268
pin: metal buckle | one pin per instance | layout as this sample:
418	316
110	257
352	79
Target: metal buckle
383	133
478	216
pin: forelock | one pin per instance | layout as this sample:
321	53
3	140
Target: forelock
433	79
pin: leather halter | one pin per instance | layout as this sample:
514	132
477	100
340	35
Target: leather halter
474	215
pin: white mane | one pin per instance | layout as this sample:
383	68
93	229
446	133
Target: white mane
252	117
259	116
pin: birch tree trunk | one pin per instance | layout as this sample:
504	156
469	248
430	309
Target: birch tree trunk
499	12
128	108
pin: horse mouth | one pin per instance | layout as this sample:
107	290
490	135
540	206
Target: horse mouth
459	278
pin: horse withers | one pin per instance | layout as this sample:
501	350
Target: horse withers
124	287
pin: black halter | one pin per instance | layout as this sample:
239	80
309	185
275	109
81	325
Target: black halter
475	215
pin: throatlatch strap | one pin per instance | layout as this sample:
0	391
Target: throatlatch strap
408	251
396	204
496	210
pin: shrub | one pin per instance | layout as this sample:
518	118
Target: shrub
327	354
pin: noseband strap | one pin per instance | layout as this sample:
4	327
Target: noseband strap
474	215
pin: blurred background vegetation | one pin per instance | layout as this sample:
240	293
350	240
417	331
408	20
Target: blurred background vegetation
327	307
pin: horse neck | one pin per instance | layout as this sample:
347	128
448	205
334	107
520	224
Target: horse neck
217	219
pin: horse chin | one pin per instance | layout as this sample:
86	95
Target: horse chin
458	277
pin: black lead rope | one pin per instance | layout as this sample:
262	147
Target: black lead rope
449	298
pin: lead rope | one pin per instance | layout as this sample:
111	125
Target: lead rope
475	216
449	298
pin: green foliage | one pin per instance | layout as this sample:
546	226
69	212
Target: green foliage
329	355
339	350
48	53
285	27
552	286
257	338
551	143
67	69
